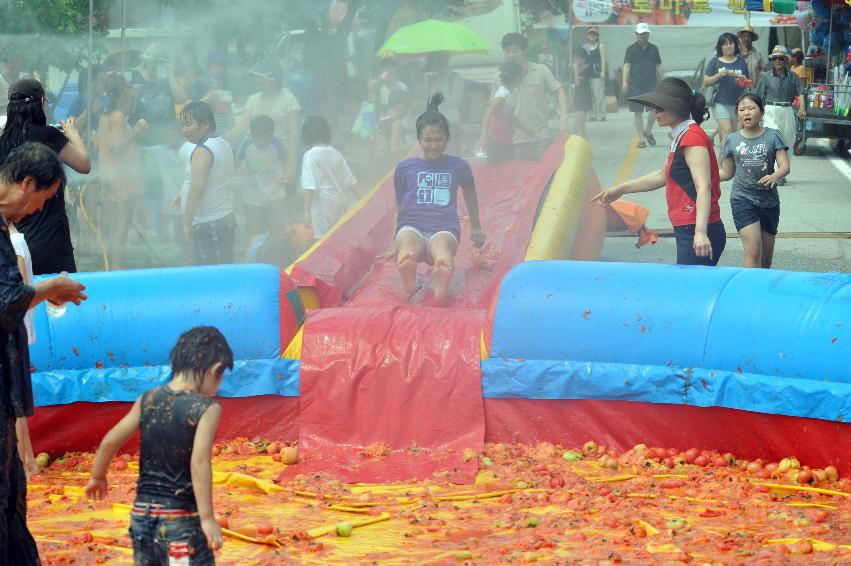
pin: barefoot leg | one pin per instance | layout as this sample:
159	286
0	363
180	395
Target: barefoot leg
25	449
410	245
443	248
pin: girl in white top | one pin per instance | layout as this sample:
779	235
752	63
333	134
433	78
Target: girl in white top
206	197
25	265
327	181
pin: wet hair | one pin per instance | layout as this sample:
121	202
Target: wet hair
200	112
262	125
32	159
696	101
757	99
510	72
113	86
21	113
513	38
315	130
724	38
432	116
198	350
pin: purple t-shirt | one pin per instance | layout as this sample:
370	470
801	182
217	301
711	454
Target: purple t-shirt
426	192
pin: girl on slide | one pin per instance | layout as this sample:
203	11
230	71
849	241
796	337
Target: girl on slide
427	225
750	155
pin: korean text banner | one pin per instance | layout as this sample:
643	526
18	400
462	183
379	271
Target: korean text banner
704	13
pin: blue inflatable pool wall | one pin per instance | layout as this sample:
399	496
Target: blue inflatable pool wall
753	339
116	345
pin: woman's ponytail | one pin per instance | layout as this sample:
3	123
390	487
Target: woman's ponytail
693	98
434	102
697	107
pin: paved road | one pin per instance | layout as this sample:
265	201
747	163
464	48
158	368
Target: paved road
817	201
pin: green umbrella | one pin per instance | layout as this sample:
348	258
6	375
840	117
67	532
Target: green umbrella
429	36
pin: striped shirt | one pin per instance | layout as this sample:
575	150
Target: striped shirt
779	88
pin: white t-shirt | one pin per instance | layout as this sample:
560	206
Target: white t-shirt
23	250
264	167
324	170
217	201
277	108
503	92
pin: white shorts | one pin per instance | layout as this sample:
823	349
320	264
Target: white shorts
425	238
724	111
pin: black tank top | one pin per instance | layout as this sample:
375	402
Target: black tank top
594	63
168	423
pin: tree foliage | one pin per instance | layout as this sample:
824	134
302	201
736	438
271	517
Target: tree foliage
532	12
48	33
244	19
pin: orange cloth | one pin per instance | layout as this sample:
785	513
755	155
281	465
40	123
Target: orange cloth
634	217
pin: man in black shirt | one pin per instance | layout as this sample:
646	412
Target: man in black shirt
642	69
30	176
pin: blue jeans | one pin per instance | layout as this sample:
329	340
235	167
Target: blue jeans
154	537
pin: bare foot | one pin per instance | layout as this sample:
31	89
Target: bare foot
31	469
442	274
407	265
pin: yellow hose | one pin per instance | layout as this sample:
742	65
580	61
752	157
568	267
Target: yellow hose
785	487
93	227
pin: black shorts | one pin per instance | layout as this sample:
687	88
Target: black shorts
746	213
212	242
685	244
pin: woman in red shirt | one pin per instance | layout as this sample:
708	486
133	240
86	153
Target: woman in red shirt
690	175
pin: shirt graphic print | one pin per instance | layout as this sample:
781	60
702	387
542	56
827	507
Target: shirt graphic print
426	193
433	188
754	158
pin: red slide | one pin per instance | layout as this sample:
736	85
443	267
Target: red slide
392	390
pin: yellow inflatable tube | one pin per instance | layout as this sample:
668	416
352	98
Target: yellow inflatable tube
561	214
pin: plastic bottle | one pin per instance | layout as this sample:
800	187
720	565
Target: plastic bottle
56	310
